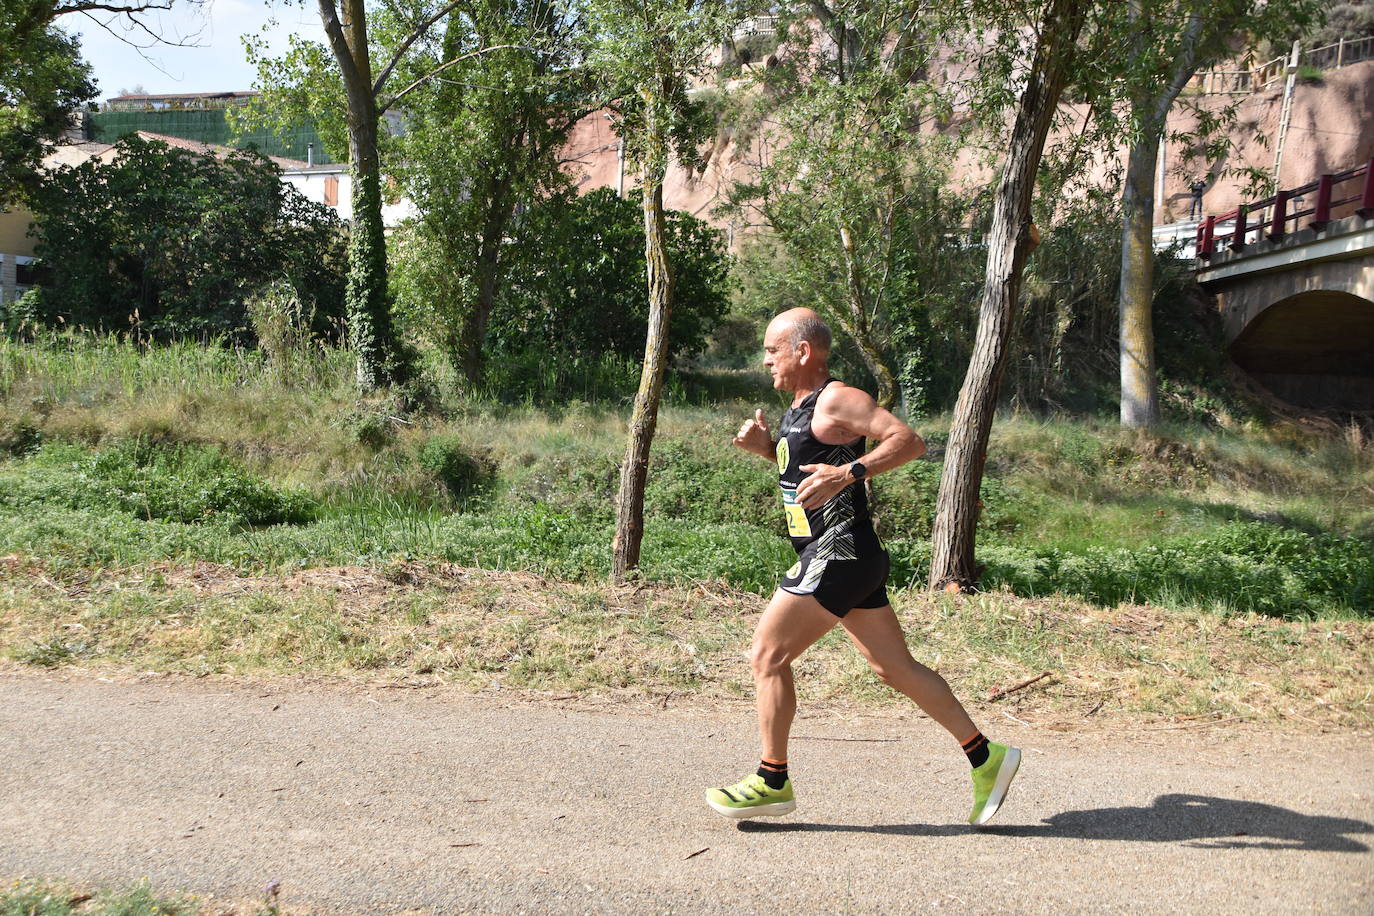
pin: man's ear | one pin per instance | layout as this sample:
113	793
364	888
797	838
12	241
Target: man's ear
804	351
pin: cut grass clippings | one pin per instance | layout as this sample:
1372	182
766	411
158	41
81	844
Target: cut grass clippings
477	629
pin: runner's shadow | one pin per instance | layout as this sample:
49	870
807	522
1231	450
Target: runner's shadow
1194	820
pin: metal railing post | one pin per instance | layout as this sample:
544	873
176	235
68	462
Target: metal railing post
1204	249
1238	236
1367	198
1276	226
1322	212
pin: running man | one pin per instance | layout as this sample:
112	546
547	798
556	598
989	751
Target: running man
841	572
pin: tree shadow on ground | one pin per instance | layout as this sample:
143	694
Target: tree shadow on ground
1193	820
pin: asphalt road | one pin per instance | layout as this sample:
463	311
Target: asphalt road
365	800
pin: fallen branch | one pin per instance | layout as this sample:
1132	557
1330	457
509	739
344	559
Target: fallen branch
1165	728
998	693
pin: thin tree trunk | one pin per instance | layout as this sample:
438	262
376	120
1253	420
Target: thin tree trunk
1139	386
856	325
1136	344
488	274
634	470
956	514
371	333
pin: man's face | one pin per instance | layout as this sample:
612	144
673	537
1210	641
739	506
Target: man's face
780	356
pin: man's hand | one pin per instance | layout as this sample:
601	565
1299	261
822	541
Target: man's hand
753	436
823	484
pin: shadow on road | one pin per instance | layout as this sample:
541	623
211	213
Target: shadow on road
1194	820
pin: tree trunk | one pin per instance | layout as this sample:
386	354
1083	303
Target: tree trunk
1136	346
856	325
1139	386
629	527
501	204
956	514
368	303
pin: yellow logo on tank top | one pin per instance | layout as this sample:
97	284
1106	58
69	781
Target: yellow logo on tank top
784	455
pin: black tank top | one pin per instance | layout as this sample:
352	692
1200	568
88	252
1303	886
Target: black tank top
841	529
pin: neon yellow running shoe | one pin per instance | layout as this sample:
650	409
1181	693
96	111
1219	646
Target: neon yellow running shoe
992	780
751	797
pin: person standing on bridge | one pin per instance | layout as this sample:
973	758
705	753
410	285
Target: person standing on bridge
841	573
1195	208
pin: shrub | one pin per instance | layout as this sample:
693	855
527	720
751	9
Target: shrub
18	435
463	475
181	483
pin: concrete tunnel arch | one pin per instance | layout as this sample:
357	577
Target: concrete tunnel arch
1313	349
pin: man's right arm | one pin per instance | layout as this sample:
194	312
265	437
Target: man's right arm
754	436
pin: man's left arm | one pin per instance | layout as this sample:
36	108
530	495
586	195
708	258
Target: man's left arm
857	414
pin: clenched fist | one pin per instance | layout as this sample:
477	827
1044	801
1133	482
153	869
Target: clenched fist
754	436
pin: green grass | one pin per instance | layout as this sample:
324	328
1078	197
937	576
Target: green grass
111	456
44	898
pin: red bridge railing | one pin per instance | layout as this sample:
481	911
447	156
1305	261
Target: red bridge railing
1288	206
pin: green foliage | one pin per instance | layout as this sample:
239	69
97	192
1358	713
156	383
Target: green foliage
19	435
492	127
173	243
42	898
43	83
1248	518
579	293
1280	572
182	483
447	460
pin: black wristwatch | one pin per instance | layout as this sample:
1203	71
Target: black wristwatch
858	471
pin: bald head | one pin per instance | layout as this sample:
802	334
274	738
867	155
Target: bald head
803	324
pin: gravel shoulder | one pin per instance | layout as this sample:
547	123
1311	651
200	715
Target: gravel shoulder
371	800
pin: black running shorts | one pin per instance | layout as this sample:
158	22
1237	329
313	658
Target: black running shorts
840	585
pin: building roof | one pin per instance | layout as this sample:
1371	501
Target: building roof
76	153
180	96
211	149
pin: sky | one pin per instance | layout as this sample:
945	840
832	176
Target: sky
213	63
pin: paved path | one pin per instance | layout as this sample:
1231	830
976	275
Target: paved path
386	801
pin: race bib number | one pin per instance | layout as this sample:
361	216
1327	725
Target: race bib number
797	525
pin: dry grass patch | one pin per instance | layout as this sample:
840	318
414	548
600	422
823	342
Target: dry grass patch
476	629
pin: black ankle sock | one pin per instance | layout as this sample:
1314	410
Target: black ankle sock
774	774
977	750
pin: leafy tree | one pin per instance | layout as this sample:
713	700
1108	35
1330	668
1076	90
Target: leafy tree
1038	61
481	143
849	163
344	88
577	290
647	53
1170	40
175	242
41	88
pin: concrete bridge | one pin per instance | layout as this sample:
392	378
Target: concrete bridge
1294	274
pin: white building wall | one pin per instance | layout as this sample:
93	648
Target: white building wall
311	184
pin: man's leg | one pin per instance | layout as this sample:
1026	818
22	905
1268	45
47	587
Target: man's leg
790	625
878	635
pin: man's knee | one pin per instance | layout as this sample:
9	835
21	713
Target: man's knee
768	659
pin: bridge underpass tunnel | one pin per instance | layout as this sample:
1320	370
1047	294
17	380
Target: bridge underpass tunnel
1314	349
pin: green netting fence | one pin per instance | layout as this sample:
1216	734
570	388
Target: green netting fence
209	126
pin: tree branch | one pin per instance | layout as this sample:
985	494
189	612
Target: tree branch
413	37
333	30
383	106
